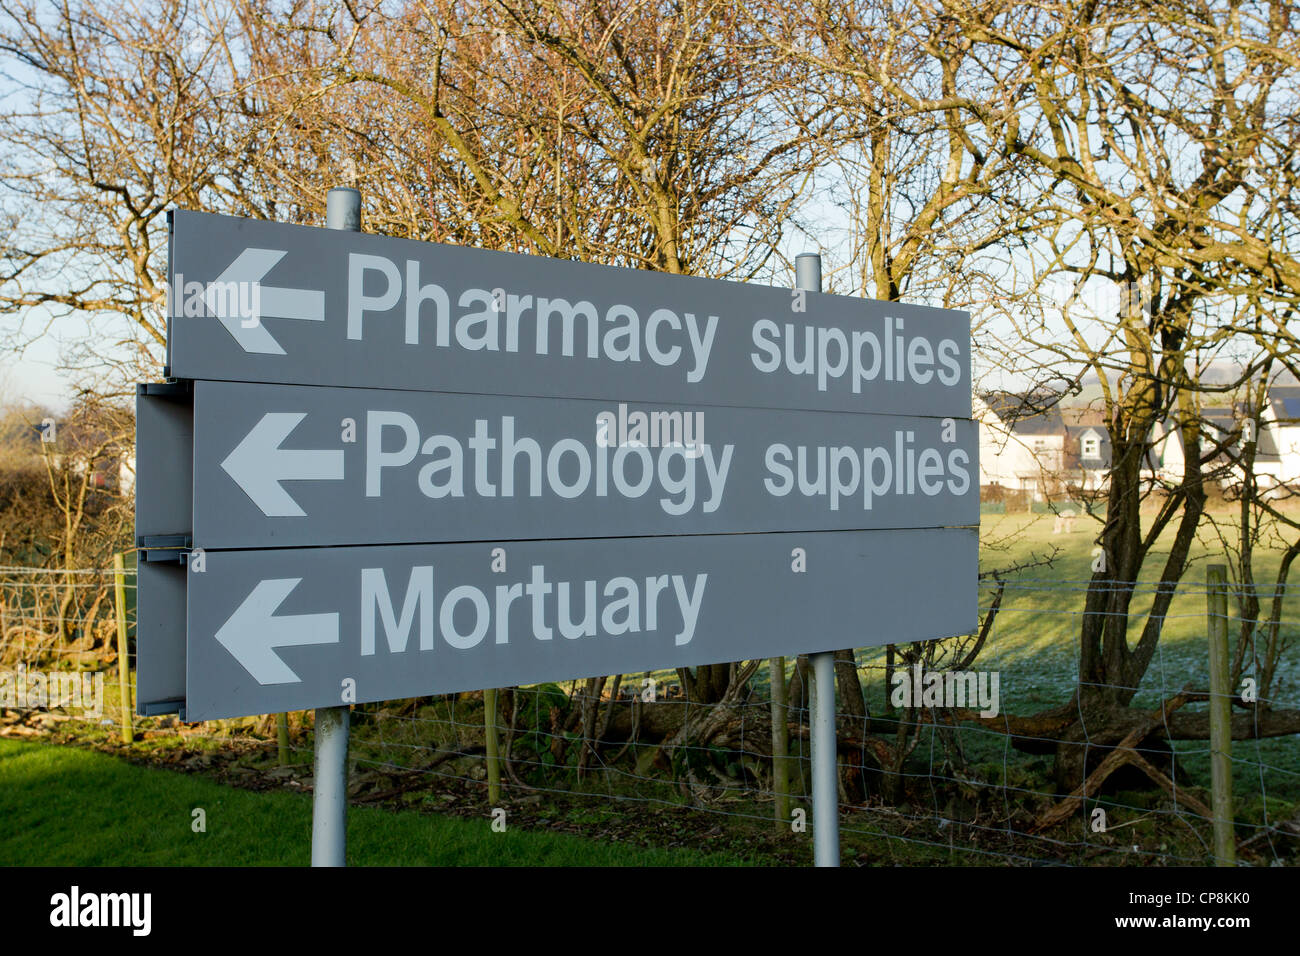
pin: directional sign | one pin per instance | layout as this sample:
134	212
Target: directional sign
278	630
388	468
265	301
253	633
255	301
279	466
260	466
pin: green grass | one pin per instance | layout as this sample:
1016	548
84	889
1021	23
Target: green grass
64	806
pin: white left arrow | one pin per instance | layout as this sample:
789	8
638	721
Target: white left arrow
258	465
234	286
252	633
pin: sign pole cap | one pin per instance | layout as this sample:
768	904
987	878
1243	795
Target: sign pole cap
343	209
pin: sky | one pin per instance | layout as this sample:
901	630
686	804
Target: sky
39	373
33	375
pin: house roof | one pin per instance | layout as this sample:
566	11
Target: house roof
1286	403
1076	433
1221	421
1033	414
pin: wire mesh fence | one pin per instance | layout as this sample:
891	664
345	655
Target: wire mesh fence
982	749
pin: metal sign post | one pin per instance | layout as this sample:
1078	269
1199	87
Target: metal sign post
329	794
825	778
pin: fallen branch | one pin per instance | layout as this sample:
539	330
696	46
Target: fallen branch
1122	754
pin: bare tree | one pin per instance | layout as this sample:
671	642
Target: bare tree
619	133
1164	144
116	112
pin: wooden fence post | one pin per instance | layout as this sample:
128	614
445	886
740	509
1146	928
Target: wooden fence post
282	739
490	728
123	667
780	743
1225	844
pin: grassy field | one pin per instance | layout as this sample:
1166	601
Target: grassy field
1034	643
64	806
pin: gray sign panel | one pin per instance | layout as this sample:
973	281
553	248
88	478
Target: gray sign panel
159	636
273	630
279	466
257	301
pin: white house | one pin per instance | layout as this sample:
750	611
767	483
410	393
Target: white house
1088	456
126	474
1277	449
1165	459
1021	449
